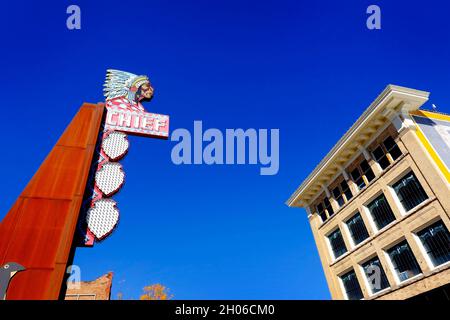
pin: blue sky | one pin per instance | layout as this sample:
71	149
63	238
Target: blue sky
212	232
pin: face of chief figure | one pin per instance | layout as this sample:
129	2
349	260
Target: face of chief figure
145	92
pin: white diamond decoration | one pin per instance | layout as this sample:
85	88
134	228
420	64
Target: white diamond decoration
115	145
110	178
102	218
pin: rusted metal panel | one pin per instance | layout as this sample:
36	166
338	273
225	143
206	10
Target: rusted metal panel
39	229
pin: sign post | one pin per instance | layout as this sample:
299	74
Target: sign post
69	201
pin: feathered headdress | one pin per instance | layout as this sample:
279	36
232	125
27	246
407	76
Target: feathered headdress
122	84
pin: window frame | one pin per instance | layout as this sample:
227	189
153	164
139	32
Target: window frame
339	197
371	217
330	246
396	197
389	151
350	236
344	289
338	185
391	263
422	247
362	173
321	202
366	280
320	212
380	144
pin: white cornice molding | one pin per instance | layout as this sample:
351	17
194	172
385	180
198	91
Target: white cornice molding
391	97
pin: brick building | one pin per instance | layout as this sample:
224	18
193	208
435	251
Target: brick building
379	203
99	289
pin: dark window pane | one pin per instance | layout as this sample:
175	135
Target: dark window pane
389	143
395	153
323	216
328	207
409	191
381	158
337	243
381	212
392	148
357	228
364	165
351	285
370	175
375	275
436	240
319	207
356	176
321	212
338	196
346	190
360	183
405	264
336	192
384	162
367	170
378	153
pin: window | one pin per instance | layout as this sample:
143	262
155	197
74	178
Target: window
357	229
337	194
381	212
404	262
367	171
337	243
321	212
324	209
386	153
342	193
409	191
436	241
328	207
375	275
362	174
346	190
392	148
351	286
381	157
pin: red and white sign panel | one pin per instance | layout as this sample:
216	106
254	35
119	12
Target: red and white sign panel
138	123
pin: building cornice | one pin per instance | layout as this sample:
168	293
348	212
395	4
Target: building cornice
391	101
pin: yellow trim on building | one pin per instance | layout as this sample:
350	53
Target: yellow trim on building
432	115
434	155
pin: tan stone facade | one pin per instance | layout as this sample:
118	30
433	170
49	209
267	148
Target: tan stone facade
99	289
361	142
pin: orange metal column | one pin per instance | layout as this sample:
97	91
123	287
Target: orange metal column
39	229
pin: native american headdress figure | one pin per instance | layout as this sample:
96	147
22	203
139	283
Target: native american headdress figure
124	92
127	85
